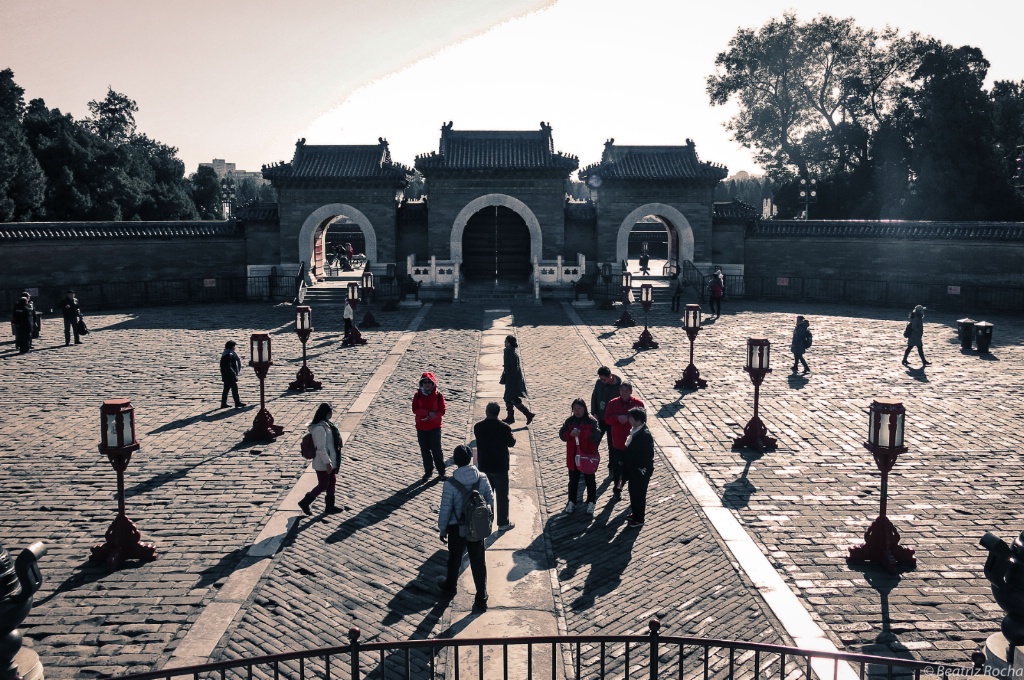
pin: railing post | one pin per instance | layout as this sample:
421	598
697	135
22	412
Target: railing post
353	637
654	625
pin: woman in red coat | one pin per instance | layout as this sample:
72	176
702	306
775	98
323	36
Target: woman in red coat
581	434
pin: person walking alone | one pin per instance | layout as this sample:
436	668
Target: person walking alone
716	291
72	313
428	405
230	367
327	440
617	418
677	291
915	335
514	382
493	438
638	459
452	501
801	341
581	433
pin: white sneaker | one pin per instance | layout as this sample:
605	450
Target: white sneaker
569	507
589	509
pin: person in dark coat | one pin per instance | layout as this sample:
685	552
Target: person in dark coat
716	291
493	438
581	433
801	339
677	291
606	388
514	382
23	318
72	313
645	263
916	337
230	368
638	459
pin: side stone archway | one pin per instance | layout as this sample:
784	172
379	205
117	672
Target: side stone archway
675	220
324	213
489	200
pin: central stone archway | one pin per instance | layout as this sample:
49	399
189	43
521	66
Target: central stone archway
675	221
489	200
319	218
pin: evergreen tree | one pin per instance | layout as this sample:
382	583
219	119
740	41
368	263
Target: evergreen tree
22	183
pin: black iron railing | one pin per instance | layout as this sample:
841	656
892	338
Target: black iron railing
650	656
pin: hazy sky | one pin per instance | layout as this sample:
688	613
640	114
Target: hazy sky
243	80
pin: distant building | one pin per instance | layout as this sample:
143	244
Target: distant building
225	169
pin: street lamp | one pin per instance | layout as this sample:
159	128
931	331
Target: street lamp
755	434
808	194
263	427
354	337
626	320
227	192
304	380
646	340
691	324
117	442
885	442
606	277
368	293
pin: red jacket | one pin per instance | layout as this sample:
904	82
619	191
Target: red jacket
423	405
617	407
589	436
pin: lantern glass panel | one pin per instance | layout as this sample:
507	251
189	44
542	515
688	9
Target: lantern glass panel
627	280
646	293
353	291
367	279
111	431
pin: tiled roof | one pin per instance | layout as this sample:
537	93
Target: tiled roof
968	231
257	212
321	161
496	150
736	210
53	231
653	162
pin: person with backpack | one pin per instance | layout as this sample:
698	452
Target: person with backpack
801	341
464	521
914	334
581	433
230	368
428	405
493	438
716	291
326	461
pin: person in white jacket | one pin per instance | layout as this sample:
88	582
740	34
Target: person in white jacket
328	444
448	526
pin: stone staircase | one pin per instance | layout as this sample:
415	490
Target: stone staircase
333	290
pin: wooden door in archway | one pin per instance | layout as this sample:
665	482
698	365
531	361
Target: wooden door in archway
496	246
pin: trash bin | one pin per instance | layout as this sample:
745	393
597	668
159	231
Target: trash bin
37	324
983	331
965	331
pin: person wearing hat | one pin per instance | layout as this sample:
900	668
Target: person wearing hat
72	313
230	367
429	406
915	335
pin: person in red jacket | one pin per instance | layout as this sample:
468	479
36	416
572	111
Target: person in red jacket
581	433
616	416
428	405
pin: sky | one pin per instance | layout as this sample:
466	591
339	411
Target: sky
243	81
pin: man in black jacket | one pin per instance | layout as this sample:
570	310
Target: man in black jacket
493	437
230	367
71	311
605	389
639	463
23	318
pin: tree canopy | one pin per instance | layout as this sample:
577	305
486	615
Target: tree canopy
891	125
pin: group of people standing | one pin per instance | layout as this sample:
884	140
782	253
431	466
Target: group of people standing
25	324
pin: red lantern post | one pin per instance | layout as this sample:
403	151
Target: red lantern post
755	434
117	442
885	442
304	380
691	324
646	340
263	427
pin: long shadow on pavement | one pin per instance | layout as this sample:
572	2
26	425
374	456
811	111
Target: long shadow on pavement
379	511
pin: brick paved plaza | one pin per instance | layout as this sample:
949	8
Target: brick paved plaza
208	499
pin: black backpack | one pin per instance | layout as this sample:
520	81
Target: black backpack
809	339
476	518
